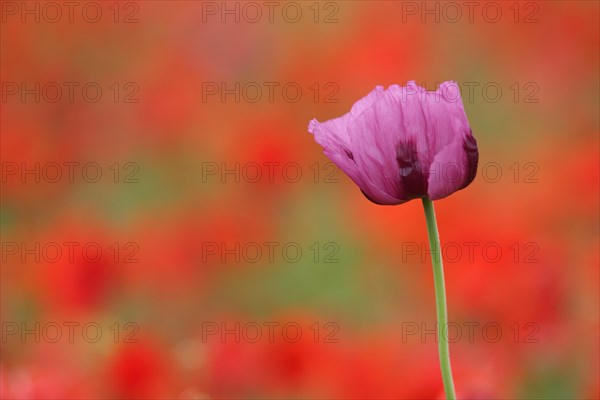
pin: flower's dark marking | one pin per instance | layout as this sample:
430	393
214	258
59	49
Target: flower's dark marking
413	177
472	158
349	154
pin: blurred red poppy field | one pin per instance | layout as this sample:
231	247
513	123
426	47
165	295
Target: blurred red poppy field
170	229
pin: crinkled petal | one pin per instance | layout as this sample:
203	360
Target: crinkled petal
333	137
453	146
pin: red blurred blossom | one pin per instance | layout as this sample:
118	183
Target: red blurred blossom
139	370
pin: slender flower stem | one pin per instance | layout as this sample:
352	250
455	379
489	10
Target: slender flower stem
440	298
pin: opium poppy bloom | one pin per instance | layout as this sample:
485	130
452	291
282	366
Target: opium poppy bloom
403	143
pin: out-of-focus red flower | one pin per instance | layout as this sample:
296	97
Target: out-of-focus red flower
139	370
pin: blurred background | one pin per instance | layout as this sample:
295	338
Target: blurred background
171	230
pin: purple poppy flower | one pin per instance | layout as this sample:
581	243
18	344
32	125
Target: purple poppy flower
403	143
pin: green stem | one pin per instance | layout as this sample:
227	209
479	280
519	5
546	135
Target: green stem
440	298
